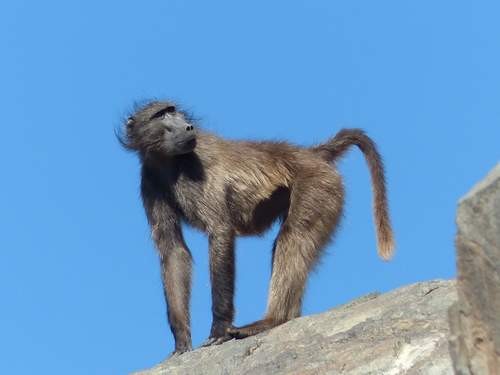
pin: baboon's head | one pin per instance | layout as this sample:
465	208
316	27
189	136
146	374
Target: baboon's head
159	128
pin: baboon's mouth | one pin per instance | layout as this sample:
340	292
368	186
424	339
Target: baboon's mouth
188	144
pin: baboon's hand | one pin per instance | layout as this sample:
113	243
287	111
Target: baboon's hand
181	350
218	333
216	340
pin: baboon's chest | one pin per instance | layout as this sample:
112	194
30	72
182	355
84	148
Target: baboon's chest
190	202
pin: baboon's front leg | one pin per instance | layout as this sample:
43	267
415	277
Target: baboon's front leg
222	269
175	260
176	276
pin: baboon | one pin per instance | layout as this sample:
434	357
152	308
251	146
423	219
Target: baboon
230	188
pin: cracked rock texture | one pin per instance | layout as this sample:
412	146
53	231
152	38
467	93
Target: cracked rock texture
404	331
475	318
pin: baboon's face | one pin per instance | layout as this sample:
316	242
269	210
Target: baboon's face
159	128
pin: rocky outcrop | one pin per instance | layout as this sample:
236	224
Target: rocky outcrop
475	318
401	332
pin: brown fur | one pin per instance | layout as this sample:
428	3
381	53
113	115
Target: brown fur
229	188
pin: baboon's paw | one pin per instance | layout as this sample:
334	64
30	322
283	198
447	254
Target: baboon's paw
216	340
179	351
251	329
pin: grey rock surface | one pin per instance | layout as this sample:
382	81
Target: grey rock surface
404	331
475	318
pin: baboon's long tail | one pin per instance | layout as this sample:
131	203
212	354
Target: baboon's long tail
335	148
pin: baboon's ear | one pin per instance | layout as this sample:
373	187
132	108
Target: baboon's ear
130	121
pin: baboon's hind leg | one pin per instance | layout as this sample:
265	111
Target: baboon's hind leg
315	209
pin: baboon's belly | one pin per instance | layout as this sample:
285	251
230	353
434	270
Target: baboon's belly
255	216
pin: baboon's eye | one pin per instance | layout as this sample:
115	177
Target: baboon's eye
161	113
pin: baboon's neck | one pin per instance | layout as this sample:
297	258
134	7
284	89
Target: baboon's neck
157	161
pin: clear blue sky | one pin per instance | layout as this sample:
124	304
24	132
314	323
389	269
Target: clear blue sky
79	278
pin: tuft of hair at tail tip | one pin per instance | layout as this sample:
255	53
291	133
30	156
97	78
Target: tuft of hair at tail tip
386	249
